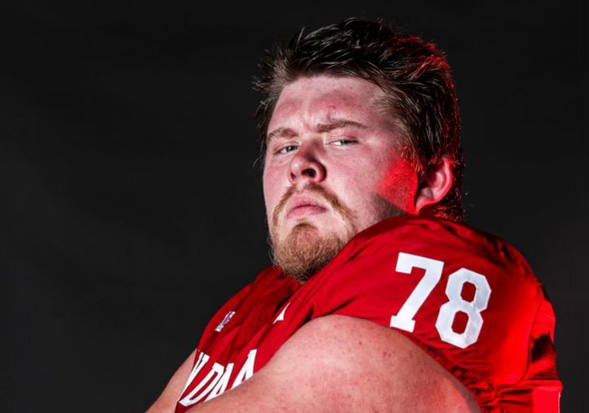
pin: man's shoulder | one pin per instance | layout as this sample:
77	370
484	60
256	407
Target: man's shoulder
441	239
428	229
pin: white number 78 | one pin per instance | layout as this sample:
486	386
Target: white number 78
433	272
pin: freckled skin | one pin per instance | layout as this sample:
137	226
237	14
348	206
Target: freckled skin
369	175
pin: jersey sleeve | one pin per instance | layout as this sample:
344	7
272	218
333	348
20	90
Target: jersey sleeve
248	310
469	300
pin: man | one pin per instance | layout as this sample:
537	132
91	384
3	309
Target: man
373	304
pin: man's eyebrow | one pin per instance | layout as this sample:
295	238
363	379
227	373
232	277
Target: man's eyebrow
338	124
321	128
280	133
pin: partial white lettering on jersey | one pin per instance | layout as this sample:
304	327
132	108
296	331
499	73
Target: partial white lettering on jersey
217	379
223	323
214	375
433	272
472	309
247	370
281	315
222	383
200	363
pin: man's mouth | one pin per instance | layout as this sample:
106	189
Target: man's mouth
302	206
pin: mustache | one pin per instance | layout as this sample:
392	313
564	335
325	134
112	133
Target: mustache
330	197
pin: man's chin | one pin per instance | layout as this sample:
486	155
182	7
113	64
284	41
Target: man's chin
304	230
303	235
305	251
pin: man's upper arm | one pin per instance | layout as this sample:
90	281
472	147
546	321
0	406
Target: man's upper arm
428	280
343	364
166	403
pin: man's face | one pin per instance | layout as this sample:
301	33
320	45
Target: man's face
333	167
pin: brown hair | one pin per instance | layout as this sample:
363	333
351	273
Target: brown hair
414	75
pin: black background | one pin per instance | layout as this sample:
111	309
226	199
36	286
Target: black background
131	204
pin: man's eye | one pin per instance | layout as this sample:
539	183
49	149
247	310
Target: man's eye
287	149
343	142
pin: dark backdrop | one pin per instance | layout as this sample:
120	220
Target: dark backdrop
131	205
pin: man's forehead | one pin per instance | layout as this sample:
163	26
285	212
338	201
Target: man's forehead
323	87
325	100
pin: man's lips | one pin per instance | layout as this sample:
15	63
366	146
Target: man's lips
304	206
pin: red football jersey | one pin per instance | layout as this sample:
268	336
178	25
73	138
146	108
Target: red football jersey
469	299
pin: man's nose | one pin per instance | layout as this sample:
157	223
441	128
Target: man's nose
307	165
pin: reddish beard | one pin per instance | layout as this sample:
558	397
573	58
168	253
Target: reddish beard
304	252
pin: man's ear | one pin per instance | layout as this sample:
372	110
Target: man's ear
435	185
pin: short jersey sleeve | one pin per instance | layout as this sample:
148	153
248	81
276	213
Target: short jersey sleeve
468	299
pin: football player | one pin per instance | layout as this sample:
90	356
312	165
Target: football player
380	299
